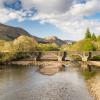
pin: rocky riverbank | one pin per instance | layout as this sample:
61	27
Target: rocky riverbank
94	86
95	63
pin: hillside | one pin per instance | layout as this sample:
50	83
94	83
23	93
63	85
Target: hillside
54	39
11	33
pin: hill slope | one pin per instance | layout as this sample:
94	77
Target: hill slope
54	39
11	33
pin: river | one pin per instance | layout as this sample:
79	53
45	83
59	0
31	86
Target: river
26	83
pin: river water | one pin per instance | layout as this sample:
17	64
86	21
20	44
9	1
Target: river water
26	83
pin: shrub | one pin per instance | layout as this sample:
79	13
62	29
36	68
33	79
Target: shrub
24	44
47	47
97	58
84	45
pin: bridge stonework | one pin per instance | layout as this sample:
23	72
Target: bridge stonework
57	55
50	55
86	55
61	56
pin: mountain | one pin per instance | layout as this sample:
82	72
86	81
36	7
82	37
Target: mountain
11	33
54	39
69	42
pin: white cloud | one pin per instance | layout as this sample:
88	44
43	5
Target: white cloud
72	21
48	6
92	6
64	14
9	14
6	15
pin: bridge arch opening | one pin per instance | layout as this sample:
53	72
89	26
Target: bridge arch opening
75	57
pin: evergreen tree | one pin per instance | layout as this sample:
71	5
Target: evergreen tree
87	34
93	37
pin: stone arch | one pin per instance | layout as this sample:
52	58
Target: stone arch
78	56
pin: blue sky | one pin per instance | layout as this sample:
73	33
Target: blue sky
37	29
66	19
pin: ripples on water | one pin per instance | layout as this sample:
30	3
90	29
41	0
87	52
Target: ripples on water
26	83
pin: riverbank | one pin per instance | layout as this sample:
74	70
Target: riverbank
95	63
35	62
94	86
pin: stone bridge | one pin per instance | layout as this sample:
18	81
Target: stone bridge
57	55
85	55
62	56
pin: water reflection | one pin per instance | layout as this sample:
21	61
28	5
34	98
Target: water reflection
90	68
90	71
26	83
51	68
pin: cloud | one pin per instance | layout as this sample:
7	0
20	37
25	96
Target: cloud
67	15
7	15
90	7
72	20
48	6
6	1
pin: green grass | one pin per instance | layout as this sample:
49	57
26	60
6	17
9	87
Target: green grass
88	75
97	58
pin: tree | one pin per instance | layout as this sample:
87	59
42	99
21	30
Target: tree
87	34
97	45
84	45
25	44
2	43
93	37
98	38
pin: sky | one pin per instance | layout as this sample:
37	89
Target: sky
66	19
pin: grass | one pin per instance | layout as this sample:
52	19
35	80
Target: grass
88	75
96	58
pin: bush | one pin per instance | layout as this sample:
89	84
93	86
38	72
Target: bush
66	47
97	45
47	47
2	42
7	56
24	44
15	49
84	45
96	58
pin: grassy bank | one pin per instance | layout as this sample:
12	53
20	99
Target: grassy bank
96	58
